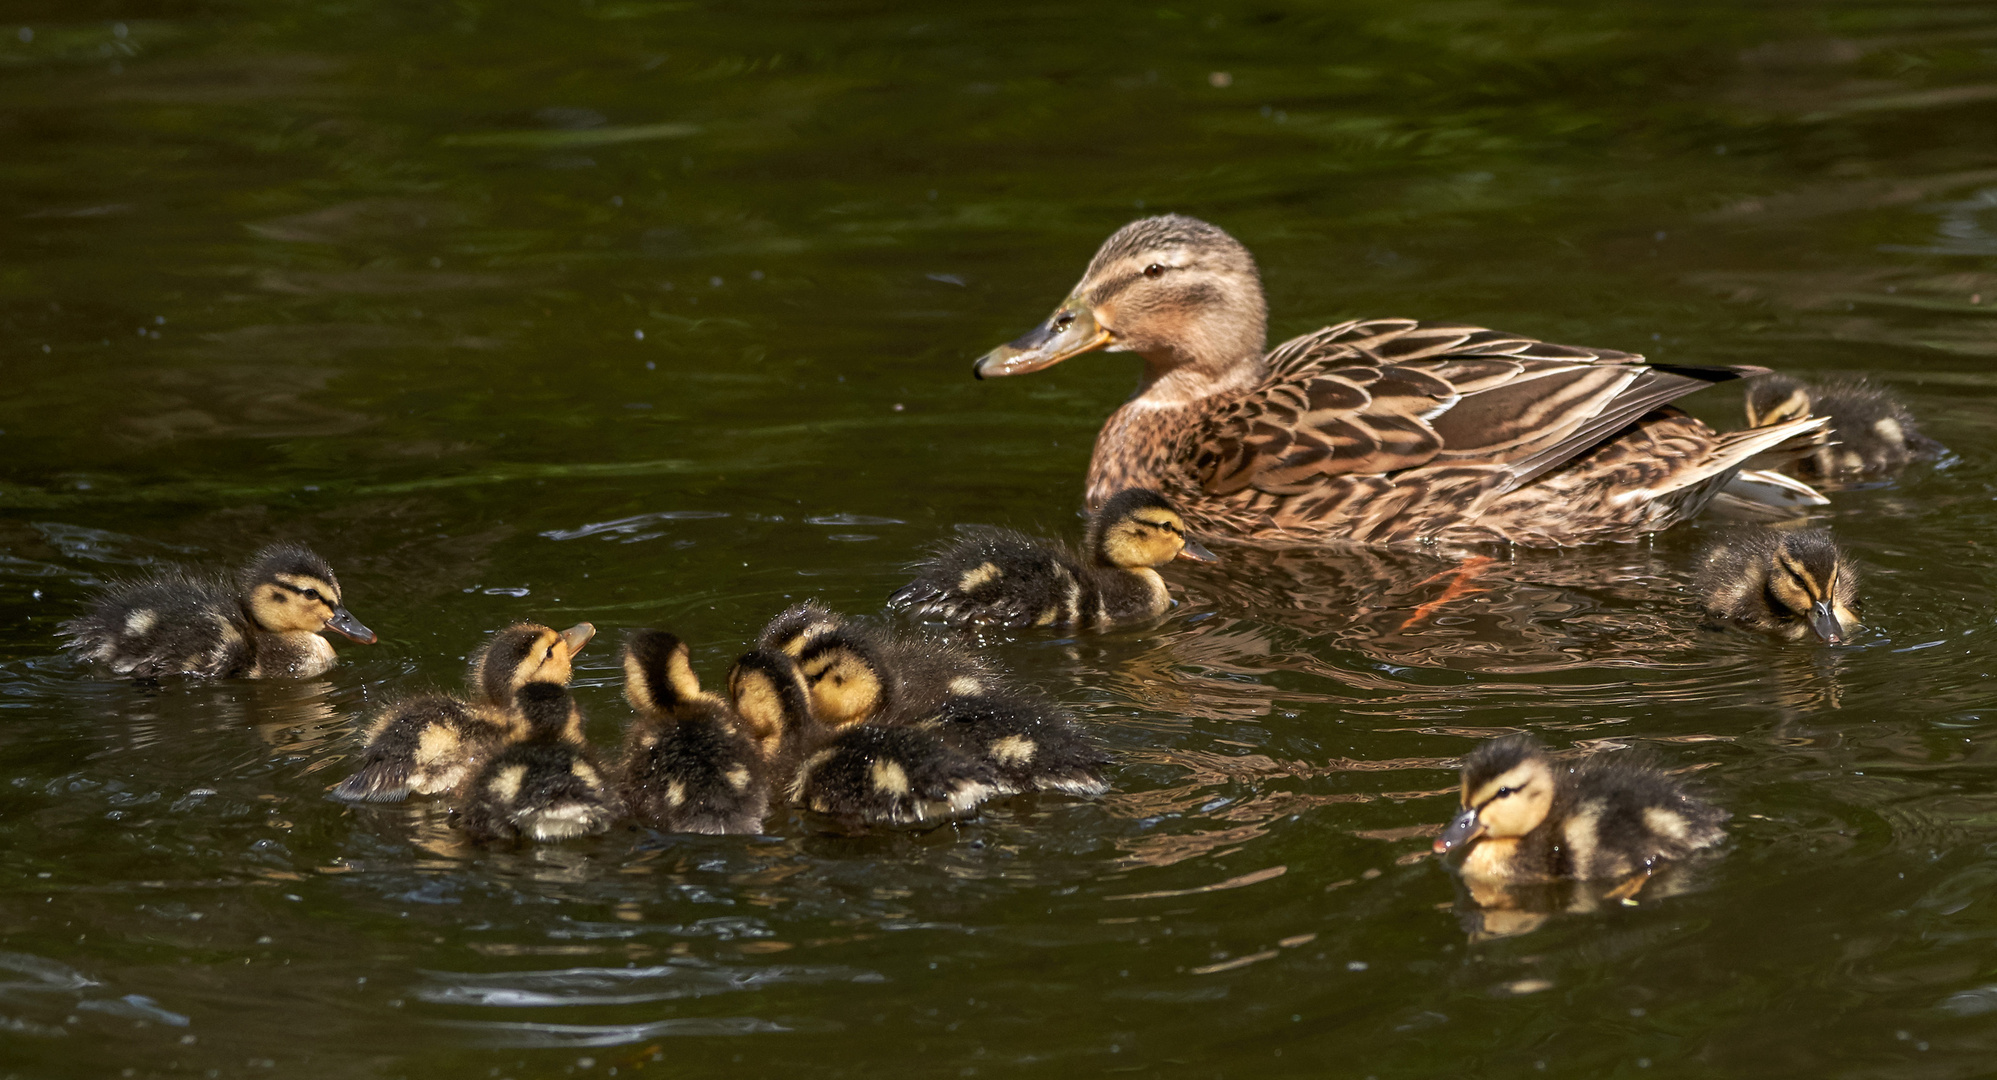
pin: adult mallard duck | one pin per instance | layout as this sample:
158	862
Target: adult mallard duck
1375	431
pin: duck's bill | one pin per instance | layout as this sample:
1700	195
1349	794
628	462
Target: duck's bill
1193	552
1825	622
1464	829
344	624
575	637
1070	331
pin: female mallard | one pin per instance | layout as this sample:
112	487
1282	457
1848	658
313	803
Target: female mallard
1377	431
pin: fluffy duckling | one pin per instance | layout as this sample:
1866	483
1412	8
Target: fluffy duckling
856	772
265	624
1007	578
688	765
429	744
543	787
1787	583
1871	432
857	673
1527	818
1029	744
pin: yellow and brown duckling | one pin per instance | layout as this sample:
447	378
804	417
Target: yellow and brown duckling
429	744
1792	584
1527	818
546	786
688	764
264	624
1030	744
857	672
1375	431
852	771
1006	578
1871	432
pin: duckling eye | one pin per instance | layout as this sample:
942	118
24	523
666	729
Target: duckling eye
550	654
1154	270
1504	791
310	594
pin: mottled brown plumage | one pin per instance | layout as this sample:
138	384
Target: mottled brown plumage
1379	431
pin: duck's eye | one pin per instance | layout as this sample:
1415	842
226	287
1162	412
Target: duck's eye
310	594
1062	320
1154	270
1504	791
550	655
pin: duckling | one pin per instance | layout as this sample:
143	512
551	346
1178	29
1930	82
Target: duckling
1029	744
429	744
857	772
1871	431
688	765
1008	578
265	624
857	673
1527	818
1787	583
797	624
545	786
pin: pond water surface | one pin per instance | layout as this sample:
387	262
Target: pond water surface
662	314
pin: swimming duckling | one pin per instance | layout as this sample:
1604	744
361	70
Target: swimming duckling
1007	578
1029	744
1527	818
428	744
857	772
1790	584
1871	432
263	625
688	765
544	787
860	673
796	624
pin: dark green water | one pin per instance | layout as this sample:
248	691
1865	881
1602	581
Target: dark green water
662	314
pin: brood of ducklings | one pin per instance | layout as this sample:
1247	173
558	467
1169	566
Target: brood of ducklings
1790	584
857	772
688	765
264	624
859	673
543	787
1527	818
427	745
1008	578
1871	431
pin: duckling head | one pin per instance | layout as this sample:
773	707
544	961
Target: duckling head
1809	581
291	589
1772	399
526	653
1139	527
798	624
769	695
658	672
845	678
549	711
1179	292
1507	792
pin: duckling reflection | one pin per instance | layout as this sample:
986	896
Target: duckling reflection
1528	820
1000	577
1786	584
1872	433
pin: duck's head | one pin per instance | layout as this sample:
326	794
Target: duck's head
526	653
658	672
1176	290
769	695
1809	581
797	624
291	589
549	711
1139	527
1772	399
1507	792
845	677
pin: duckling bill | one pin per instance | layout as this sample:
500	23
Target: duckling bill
1007	578
1790	584
263	624
1527	818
